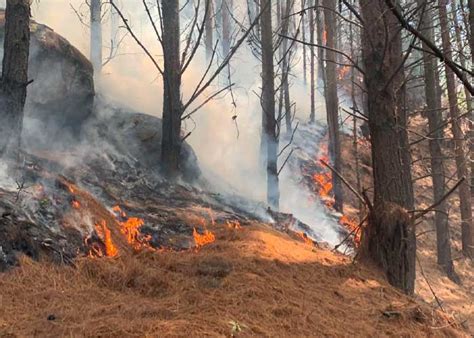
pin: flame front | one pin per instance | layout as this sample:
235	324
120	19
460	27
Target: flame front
104	233
201	240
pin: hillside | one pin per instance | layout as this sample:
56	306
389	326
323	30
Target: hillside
251	278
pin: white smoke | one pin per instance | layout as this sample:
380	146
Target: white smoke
226	148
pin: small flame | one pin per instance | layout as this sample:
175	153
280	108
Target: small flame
234	225
305	238
104	233
201	240
76	205
353	227
343	71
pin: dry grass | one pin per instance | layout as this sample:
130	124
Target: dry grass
268	283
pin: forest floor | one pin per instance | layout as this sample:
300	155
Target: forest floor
456	300
252	280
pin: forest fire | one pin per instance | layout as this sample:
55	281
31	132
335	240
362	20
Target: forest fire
130	228
204	239
353	227
305	238
343	71
103	232
75	204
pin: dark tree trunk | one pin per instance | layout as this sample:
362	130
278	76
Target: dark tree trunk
332	101
389	239
471	124
269	132
321	38
209	27
14	76
461	165
303	32
172	105
434	114
96	35
312	56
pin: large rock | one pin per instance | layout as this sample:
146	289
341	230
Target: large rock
61	97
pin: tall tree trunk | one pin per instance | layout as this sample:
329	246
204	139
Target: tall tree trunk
312	79
268	104
209	27
172	105
303	32
461	165
286	53
226	10
389	239
469	98
434	114
471	123
14	76
321	38
96	35
332	101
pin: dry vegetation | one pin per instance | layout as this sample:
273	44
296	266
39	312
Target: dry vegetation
457	300
260	280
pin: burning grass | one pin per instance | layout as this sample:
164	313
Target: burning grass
255	279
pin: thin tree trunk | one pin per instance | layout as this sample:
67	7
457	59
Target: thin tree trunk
268	105
286	10
14	76
434	114
312	79
303	31
332	101
96	35
226	26
209	28
461	159
471	124
321	38
172	105
469	99
389	239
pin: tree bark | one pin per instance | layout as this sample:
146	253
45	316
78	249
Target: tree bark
286	10
269	132
14	76
332	101
312	56
435	118
389	239
459	144
226	26
209	27
96	35
303	32
172	105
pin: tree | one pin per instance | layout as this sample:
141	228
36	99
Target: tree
96	35
332	101
312	57
434	114
389	238
459	143
269	126
209	28
14	76
172	105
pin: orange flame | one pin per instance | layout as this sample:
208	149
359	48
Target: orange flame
234	225
305	238
130	227
76	205
104	233
343	71
353	227
201	240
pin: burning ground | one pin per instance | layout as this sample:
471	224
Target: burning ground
251	278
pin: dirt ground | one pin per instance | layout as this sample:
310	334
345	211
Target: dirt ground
250	281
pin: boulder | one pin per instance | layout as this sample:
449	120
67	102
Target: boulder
61	97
